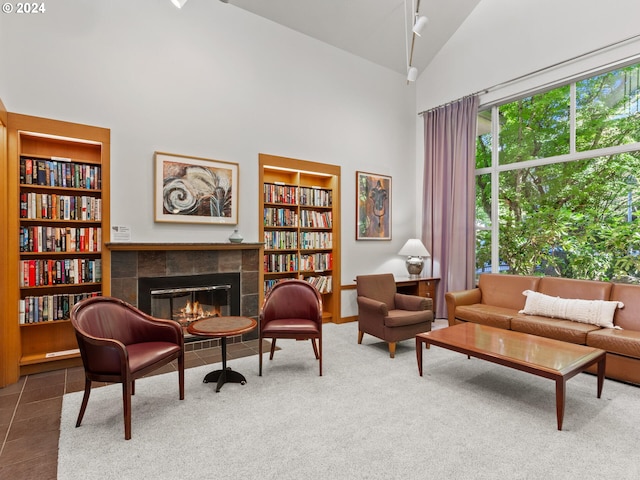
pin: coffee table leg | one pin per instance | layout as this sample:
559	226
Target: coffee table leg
419	354
601	368
560	397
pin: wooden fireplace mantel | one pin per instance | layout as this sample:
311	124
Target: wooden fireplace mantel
129	246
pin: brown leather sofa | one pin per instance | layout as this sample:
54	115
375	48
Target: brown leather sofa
498	299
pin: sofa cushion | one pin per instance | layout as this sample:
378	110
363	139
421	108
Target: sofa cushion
594	312
572	288
501	290
402	318
565	330
486	315
623	342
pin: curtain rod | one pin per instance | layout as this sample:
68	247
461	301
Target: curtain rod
540	70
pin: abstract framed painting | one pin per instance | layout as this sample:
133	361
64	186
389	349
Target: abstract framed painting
195	190
373	206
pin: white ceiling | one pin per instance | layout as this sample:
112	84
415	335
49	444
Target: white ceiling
371	29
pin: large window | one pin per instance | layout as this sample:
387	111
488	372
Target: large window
558	181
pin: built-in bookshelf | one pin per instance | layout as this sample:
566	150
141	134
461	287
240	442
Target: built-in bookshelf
300	226
59	172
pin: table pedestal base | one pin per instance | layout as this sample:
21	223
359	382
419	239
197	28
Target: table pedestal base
224	376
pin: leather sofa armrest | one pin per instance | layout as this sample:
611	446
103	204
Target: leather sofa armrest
461	297
370	306
413	302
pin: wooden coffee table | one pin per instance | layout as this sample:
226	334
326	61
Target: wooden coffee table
540	356
222	327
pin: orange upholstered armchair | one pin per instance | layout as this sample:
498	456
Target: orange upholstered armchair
119	343
292	309
388	315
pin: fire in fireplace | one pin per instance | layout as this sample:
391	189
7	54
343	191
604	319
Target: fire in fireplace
188	304
188	298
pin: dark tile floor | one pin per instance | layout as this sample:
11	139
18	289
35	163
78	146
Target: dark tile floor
30	413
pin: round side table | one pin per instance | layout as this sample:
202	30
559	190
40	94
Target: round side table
222	327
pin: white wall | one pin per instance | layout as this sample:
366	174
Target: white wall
214	81
503	39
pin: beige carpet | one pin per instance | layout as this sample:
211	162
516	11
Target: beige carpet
368	417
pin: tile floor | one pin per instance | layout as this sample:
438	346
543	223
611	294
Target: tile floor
30	413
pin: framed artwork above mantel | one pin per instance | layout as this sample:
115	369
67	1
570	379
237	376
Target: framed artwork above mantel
195	190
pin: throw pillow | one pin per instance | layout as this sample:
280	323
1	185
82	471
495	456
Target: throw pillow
594	312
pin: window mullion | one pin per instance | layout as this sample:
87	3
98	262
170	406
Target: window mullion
572	118
495	190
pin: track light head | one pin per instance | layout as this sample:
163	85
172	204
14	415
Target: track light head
179	3
412	74
421	22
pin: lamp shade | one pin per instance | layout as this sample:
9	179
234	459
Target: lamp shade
179	3
412	74
414	248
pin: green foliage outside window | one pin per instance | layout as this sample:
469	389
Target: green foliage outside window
575	218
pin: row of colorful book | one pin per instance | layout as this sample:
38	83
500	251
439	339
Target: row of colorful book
48	308
60	239
67	271
323	283
293	195
314	219
60	173
51	206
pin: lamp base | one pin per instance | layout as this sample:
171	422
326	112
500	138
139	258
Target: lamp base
414	266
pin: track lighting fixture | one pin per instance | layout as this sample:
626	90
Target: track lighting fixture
179	3
412	74
421	22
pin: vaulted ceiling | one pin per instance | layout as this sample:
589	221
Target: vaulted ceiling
372	29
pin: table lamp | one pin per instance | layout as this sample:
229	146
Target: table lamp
414	251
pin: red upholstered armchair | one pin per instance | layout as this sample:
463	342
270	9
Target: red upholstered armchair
388	315
119	343
292	309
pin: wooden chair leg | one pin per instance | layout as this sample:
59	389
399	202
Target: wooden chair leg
360	335
85	400
320	352
315	348
273	348
392	349
260	356
181	376
127	388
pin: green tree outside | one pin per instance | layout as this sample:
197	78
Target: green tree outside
576	218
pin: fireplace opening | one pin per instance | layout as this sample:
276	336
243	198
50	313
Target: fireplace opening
185	299
188	304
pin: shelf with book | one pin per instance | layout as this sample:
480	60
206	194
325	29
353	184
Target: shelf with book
60	176
300	227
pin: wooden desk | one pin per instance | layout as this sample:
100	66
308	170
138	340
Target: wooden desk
421	286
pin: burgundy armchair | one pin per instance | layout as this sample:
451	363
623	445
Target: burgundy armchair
119	344
292	309
388	315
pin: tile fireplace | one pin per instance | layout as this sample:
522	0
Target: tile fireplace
137	269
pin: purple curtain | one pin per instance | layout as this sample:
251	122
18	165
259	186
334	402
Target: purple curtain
449	195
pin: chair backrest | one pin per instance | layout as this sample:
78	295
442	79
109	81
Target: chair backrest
292	299
381	287
107	317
